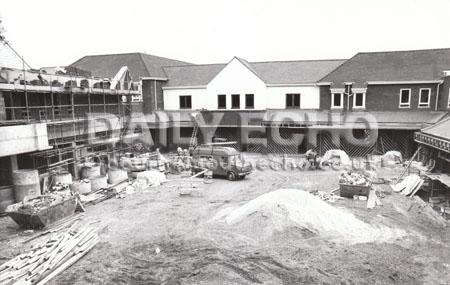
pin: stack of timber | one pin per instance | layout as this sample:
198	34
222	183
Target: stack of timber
46	260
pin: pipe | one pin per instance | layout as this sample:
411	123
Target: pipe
437	95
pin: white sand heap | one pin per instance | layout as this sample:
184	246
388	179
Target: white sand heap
288	207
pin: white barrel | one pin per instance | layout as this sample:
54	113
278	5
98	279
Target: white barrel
26	183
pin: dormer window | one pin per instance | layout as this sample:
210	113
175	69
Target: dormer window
337	101
424	97
359	98
405	98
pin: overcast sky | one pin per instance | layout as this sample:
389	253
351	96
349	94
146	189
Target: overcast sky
58	32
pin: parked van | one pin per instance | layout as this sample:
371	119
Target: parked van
222	160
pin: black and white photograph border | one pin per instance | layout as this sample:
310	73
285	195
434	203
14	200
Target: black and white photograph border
224	142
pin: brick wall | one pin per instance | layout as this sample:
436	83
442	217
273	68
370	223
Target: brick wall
444	94
386	97
149	87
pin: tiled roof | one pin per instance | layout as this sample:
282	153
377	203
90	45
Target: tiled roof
139	64
291	72
440	129
191	75
271	72
415	65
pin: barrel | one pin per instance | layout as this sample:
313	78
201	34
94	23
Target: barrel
82	187
6	197
98	183
63	178
90	170
116	175
26	183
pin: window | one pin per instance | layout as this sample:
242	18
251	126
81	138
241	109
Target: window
424	98
249	101
359	100
336	101
185	102
221	101
292	100
235	101
405	98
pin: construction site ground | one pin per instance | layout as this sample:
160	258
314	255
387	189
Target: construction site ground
158	236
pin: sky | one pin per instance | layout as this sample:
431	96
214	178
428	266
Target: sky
58	32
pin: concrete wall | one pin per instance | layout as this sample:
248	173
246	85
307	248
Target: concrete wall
23	138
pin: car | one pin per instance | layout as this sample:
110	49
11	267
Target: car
224	161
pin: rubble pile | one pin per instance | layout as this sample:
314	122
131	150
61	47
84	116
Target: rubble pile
355	178
33	206
287	208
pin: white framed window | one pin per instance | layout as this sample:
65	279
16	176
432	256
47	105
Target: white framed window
337	101
424	97
359	100
405	98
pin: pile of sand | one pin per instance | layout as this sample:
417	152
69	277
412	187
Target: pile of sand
287	208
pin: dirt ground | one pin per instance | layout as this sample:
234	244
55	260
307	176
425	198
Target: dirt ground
159	237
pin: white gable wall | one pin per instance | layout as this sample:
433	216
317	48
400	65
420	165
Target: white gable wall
236	78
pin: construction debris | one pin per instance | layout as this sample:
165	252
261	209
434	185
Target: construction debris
336	157
409	186
43	210
355	178
329	197
46	260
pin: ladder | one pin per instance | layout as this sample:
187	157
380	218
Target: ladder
193	142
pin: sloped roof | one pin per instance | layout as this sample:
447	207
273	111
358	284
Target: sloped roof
440	129
414	65
139	64
384	119
192	75
271	72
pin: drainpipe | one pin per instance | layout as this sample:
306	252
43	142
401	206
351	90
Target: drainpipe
437	95
154	89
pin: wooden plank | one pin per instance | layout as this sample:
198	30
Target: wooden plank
371	201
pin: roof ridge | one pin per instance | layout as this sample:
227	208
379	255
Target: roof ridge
399	51
338	67
162	57
193	64
143	63
298	60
